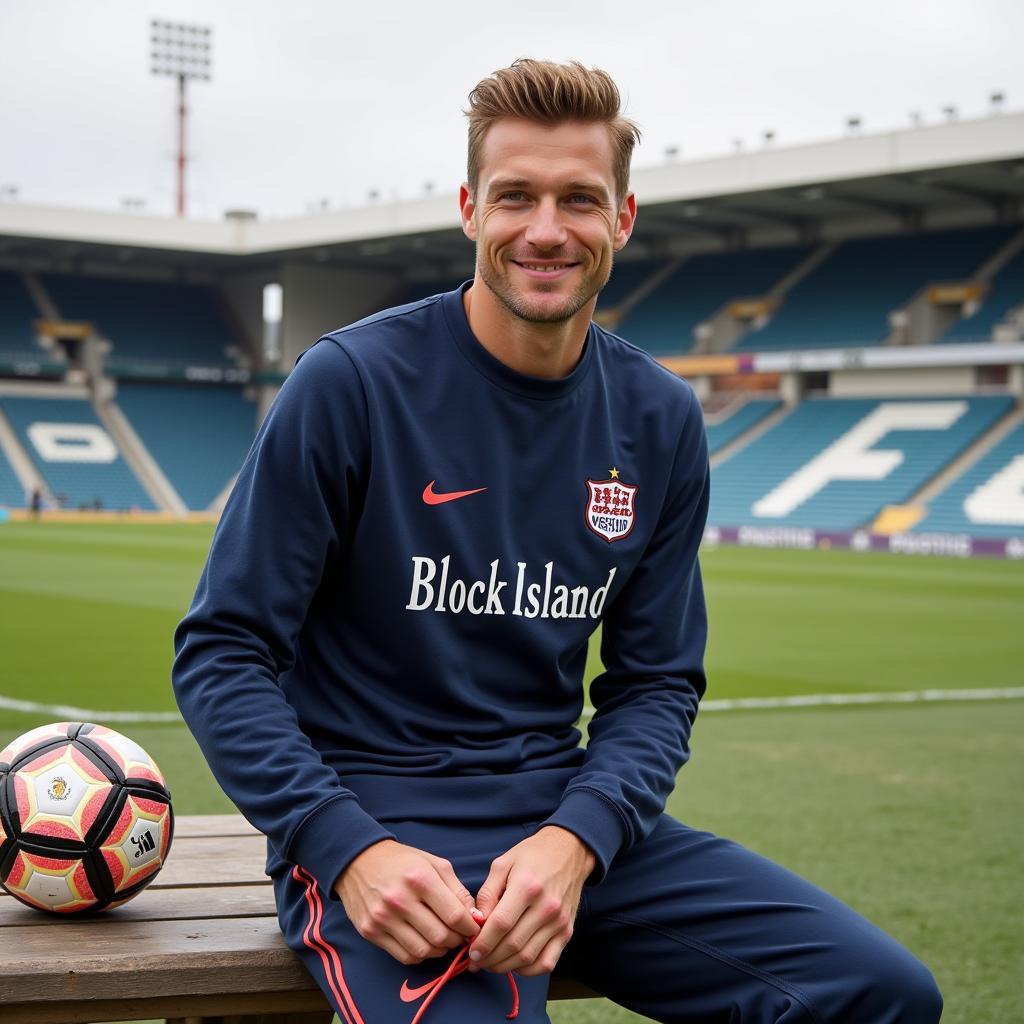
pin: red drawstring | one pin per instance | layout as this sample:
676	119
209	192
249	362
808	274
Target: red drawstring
459	964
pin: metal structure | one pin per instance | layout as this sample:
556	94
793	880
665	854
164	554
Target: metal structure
184	52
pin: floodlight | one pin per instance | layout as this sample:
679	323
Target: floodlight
997	99
183	52
950	111
854	124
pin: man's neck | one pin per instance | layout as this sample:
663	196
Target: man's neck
549	350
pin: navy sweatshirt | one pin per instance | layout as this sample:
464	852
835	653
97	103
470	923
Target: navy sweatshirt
393	620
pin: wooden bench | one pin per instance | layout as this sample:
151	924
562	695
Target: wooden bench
200	944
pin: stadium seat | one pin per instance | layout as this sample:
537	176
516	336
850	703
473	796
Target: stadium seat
663	323
976	503
11	493
848	298
198	435
75	456
148	322
17	311
834	463
724	430
1006	291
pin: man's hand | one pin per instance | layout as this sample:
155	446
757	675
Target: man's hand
407	901
529	901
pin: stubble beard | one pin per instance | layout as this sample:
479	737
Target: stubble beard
518	305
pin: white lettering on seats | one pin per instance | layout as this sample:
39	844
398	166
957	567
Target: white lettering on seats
999	501
72	442
849	457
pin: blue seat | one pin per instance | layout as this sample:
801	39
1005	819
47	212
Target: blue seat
724	431
198	436
753	473
66	467
17	311
663	323
11	493
1005	292
152	322
951	510
847	299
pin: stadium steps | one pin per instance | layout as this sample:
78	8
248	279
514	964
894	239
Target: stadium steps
626	305
217	505
802	270
143	465
82	481
775	480
40	296
968	459
985	500
750	436
734	419
198	434
1000	258
16	470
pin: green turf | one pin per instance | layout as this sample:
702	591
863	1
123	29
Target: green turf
911	814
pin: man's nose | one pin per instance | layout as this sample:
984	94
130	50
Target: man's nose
546	229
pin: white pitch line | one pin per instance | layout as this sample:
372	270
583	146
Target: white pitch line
807	700
87	714
820	700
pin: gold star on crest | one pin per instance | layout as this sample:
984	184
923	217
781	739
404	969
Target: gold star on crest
613	473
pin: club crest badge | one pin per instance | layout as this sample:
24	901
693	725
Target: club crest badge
611	507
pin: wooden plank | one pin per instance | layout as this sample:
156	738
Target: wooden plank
88	961
192	825
155	905
215	860
75	1012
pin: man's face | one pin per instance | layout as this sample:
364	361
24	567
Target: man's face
544	216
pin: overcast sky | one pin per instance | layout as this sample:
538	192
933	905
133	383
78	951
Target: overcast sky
314	100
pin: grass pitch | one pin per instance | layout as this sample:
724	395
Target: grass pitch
911	814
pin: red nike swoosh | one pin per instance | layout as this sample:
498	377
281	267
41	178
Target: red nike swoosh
410	995
432	498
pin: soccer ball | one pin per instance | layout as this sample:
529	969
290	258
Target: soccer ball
85	818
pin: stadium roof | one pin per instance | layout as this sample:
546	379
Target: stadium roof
968	172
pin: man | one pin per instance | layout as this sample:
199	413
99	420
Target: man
383	661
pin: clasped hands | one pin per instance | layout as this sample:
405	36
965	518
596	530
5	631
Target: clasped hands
412	905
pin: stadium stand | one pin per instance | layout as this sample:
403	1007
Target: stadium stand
737	420
1006	292
198	435
847	300
627	277
150	322
664	321
74	454
835	463
11	493
964	508
17	338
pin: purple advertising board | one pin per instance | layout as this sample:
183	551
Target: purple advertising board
952	545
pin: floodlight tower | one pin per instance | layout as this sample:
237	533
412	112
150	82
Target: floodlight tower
184	52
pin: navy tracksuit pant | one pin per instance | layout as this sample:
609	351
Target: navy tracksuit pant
687	928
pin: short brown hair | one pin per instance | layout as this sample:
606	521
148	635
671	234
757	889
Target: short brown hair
550	93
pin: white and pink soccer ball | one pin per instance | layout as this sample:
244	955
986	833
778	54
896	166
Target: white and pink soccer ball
85	818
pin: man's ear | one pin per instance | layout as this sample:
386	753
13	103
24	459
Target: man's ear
467	208
626	220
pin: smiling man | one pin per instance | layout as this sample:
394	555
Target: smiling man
384	659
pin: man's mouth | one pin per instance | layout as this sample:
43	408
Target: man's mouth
545	269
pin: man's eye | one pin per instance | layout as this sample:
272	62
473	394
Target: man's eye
581	200
513	197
